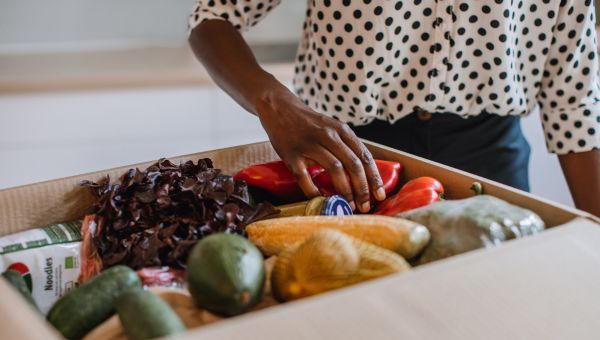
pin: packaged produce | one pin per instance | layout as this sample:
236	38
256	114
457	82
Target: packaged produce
276	179
47	258
225	274
84	308
329	259
146	316
334	205
404	237
154	217
458	226
415	193
162	277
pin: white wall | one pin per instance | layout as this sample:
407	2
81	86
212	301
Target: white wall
32	24
46	136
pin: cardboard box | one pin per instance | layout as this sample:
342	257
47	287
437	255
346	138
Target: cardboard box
543	286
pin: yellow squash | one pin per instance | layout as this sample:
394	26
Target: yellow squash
404	237
329	259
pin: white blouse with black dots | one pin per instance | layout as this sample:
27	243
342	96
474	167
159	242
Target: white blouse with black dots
365	60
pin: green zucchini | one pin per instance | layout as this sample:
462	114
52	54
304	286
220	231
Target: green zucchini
16	280
225	274
84	308
146	316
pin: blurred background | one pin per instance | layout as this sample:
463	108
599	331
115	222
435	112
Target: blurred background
88	85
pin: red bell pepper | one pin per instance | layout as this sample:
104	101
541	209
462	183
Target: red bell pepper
277	179
416	193
389	172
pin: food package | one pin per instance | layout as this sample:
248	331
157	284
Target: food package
47	258
458	226
166	277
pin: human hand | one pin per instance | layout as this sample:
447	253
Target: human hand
302	137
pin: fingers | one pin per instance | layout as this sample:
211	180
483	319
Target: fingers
367	161
353	166
305	182
335	169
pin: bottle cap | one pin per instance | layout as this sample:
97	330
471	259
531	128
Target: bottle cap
336	205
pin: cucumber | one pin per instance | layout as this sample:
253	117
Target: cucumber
16	280
225	274
84	308
146	316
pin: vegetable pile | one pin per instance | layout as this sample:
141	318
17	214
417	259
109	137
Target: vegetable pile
154	217
180	226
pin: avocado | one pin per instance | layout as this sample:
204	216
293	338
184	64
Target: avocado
225	274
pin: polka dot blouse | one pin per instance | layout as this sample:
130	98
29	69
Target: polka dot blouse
365	60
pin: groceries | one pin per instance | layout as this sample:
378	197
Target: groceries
154	217
84	308
414	194
226	274
47	258
388	171
329	259
276	179
199	236
404	237
327	206
461	225
162	277
146	316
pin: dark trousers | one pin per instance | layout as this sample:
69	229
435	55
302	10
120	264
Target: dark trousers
488	145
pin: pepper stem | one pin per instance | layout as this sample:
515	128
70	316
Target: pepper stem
477	188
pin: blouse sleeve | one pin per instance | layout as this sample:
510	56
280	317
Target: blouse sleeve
569	97
242	14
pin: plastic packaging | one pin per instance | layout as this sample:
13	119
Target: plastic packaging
458	226
47	258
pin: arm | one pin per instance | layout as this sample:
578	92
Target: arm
582	171
569	100
299	135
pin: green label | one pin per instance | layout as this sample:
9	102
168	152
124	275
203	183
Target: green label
69	262
12	247
54	234
36	243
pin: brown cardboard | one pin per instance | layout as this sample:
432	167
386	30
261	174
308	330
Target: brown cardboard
543	287
62	200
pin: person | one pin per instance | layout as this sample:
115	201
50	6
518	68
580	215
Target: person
445	80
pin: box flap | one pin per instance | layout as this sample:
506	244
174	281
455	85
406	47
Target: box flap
542	287
19	321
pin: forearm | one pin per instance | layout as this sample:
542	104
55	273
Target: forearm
582	172
231	64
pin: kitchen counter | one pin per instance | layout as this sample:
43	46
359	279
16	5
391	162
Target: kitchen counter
134	67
